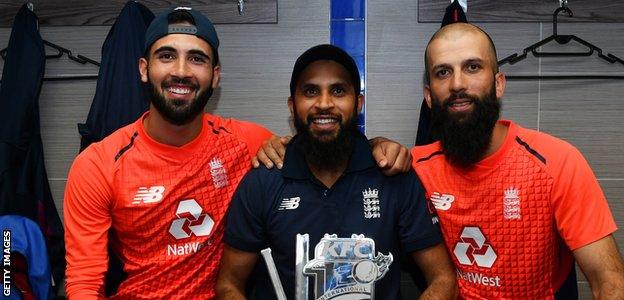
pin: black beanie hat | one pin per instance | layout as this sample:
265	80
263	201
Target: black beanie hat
325	52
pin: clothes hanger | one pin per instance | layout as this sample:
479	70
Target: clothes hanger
562	39
59	53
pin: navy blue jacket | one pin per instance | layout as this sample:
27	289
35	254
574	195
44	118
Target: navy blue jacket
119	96
24	187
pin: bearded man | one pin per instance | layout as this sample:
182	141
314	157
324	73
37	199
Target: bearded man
329	184
515	206
157	190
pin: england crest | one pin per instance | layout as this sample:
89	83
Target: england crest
370	202
346	268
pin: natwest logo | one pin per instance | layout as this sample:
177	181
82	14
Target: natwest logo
190	221
473	248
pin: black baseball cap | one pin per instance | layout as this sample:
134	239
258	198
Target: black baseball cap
160	27
325	52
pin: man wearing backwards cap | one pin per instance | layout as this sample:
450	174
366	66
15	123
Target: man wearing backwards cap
329	184
158	189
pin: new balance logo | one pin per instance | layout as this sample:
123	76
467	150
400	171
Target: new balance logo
289	203
443	201
145	195
190	221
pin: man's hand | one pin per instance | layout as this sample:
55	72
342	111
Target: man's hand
272	152
392	157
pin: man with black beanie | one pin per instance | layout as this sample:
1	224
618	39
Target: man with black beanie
331	189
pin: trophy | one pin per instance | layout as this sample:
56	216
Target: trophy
341	269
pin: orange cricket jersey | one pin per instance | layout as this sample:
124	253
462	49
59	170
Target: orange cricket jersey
163	207
510	222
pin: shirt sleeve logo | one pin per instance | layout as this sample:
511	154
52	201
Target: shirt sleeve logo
370	202
153	194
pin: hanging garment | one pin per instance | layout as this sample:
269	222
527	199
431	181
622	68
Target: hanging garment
119	95
423	133
30	268
24	187
454	14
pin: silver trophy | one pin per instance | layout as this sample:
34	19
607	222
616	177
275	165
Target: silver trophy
342	268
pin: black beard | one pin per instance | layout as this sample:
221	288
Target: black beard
175	111
321	152
465	137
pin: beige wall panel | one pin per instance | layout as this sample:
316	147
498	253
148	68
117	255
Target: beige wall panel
258	59
63	104
588	114
584	290
393	107
396	44
520	102
255	97
57	186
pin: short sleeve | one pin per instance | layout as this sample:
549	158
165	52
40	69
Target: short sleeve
244	228
578	201
415	227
